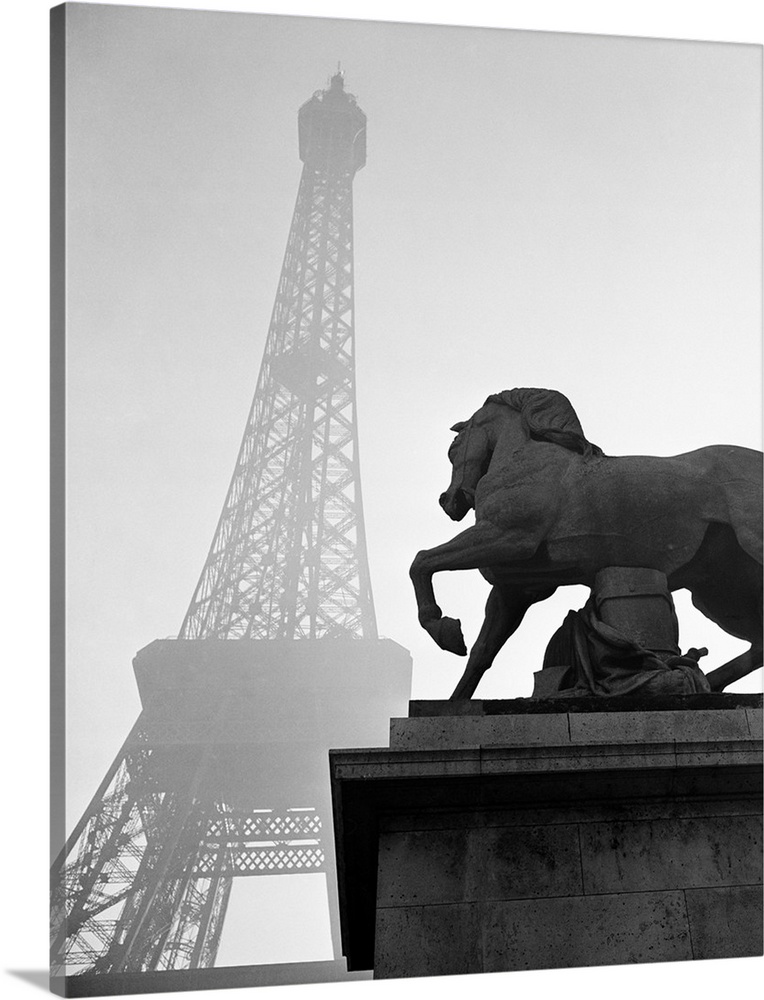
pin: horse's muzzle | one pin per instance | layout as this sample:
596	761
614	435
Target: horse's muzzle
456	503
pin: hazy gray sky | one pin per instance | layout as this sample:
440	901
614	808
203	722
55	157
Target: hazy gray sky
575	212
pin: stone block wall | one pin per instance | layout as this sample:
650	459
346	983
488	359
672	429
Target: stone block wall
483	890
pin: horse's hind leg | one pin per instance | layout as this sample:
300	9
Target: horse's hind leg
733	670
504	611
726	586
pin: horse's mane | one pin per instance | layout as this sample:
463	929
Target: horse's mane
548	416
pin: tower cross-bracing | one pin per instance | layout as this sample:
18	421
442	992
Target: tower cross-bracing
224	773
288	559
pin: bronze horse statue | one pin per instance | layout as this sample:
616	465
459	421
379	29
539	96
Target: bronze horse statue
551	509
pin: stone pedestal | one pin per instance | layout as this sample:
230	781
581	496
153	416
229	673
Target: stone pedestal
493	836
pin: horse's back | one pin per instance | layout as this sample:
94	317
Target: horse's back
636	510
722	471
745	462
660	507
729	480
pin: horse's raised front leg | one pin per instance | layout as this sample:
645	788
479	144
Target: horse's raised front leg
504	610
479	546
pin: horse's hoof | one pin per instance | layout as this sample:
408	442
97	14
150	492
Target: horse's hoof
447	632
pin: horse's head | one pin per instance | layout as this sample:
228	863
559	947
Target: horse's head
538	415
470	453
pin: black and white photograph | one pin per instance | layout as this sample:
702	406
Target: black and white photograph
405	502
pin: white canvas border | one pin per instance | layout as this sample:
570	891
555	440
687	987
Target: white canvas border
24	402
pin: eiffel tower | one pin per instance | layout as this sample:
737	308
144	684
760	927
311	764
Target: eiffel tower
225	772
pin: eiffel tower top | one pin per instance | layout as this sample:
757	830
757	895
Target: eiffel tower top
332	129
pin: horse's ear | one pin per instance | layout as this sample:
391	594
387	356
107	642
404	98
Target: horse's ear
459	426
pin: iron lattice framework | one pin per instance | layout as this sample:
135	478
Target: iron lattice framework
145	878
288	559
150	867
